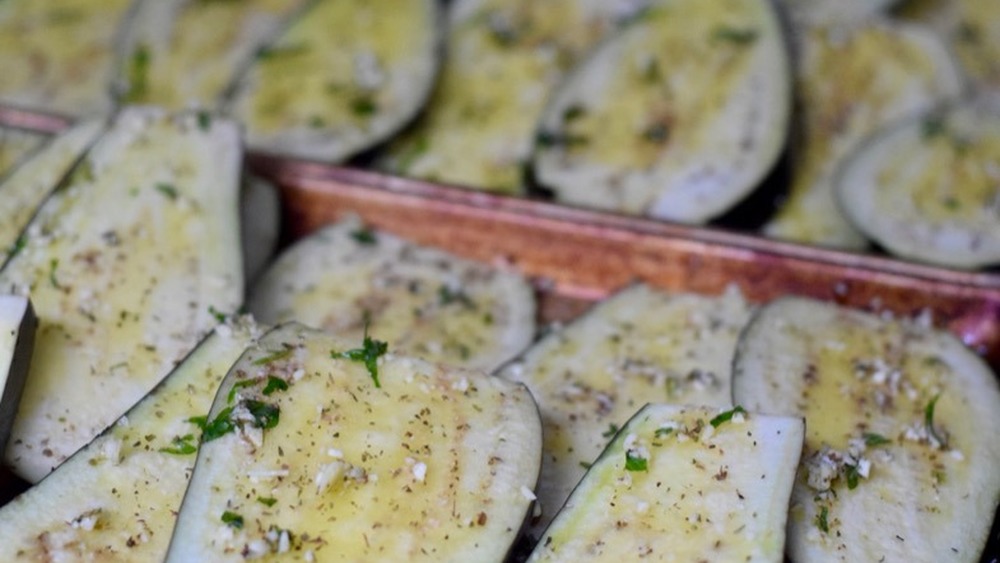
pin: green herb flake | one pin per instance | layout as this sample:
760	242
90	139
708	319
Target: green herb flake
369	354
275	384
267	501
611	431
586	465
929	421
872	439
821	520
200	421
735	36
851	472
273	357
657	133
237	386
365	236
181	445
726	416
932	127
651	72
548	139
217	427
573	112
168	190
660	432
138	74
264	415
277	51
19	245
363	106
53	264
204	120
634	462
447	296
232	520
219	315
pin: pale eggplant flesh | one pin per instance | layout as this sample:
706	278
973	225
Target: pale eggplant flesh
116	499
123	264
182	53
503	60
927	189
324	449
899	461
58	56
17	144
683	484
342	78
347	279
637	346
851	82
679	117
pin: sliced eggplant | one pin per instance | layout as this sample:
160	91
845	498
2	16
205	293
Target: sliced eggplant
183	53
929	189
333	449
347	279
635	347
899	462
117	498
344	77
504	57
17	340
972	29
679	117
15	145
842	12
683	484
851	83
26	187
122	265
58	55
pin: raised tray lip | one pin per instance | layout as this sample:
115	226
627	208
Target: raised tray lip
305	174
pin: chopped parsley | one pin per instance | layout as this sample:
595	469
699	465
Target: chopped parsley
364	106
447	296
573	112
19	244
204	120
611	431
657	133
369	354
264	415
275	384
267	501
734	35
932	126
585	465
821	520
219	315
364	236
726	416
169	190
237	386
232	520
217	427
929	421
851	472
634	462
273	357
181	445
53	264
276	51
872	439
555	139
138	74
660	432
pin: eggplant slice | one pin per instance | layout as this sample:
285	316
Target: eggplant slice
183	53
679	117
344	77
900	460
347	279
17	340
58	55
122	264
17	144
851	83
326	449
841	12
504	58
35	178
683	484
117	498
929	189
637	346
